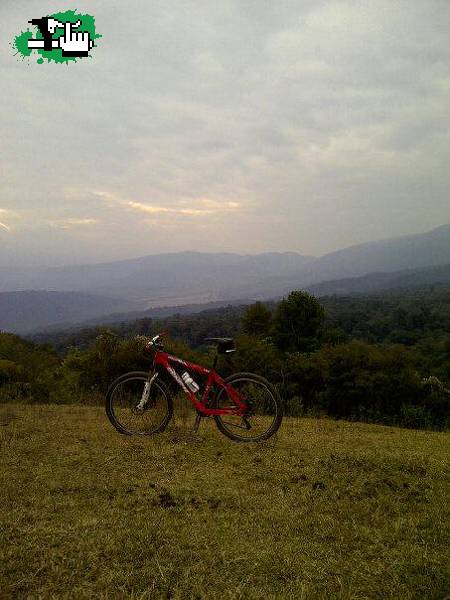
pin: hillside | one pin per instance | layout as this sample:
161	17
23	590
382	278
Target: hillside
409	279
413	251
375	317
399	283
327	510
33	310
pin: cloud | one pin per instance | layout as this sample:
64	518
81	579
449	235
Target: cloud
72	222
196	207
148	208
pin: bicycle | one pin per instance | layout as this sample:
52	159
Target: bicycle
245	406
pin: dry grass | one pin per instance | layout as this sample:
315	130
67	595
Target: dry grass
326	510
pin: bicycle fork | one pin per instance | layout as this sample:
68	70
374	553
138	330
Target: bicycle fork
146	393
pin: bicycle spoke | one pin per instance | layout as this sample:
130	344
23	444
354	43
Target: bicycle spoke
263	414
125	400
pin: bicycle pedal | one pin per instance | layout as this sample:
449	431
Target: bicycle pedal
247	423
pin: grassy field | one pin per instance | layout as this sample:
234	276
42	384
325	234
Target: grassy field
326	510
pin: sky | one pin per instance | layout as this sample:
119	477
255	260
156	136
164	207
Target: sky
239	126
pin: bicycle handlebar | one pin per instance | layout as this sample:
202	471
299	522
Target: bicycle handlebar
155	341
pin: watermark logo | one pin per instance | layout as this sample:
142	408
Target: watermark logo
61	37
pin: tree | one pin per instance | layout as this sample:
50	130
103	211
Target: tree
297	322
257	320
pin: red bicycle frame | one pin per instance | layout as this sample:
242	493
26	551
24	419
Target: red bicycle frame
164	359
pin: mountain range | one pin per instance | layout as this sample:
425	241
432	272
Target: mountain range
32	299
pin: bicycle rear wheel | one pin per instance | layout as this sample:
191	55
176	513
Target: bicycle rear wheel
265	411
123	401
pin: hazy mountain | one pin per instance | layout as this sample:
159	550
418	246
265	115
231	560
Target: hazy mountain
164	278
27	311
192	278
407	252
376	282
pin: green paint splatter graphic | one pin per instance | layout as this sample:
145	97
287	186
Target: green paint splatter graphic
20	43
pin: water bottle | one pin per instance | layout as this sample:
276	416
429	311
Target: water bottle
190	383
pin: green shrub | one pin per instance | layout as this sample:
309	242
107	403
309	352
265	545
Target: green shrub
349	380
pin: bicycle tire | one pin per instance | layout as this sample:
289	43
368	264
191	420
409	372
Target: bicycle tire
157	384
222	421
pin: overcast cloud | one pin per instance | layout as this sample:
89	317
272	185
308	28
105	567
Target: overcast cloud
244	126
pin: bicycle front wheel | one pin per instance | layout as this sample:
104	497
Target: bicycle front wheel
264	414
128	412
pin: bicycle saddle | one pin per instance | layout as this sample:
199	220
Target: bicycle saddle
224	345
